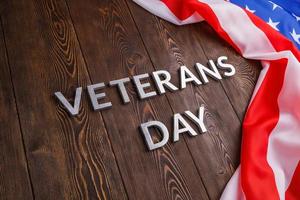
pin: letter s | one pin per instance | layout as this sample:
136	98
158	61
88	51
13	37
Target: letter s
222	65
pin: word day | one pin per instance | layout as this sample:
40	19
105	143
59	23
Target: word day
161	78
180	125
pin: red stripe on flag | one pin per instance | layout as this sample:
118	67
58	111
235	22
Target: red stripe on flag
204	10
292	193
257	176
180	8
263	114
261	118
279	41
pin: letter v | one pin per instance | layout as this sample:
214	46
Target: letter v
73	110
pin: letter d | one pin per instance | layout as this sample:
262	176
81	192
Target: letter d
163	130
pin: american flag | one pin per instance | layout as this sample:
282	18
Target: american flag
268	31
282	15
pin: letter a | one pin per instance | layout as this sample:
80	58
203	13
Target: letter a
197	120
179	120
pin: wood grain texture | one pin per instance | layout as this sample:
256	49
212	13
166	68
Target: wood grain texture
69	158
2	5
216	153
58	45
240	87
13	165
113	49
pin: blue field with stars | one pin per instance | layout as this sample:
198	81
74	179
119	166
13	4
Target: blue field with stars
282	15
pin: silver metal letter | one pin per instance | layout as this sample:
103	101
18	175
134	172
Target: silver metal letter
121	87
73	110
141	86
187	76
179	120
95	97
163	130
222	65
203	71
165	82
198	120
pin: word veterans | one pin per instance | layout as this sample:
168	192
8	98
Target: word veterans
162	80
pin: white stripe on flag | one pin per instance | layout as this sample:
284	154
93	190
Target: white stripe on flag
235	191
284	142
161	10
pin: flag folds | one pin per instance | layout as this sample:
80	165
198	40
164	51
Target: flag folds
270	151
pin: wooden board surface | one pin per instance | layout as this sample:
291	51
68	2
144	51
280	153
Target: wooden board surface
58	45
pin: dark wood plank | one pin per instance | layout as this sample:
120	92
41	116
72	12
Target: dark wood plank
13	166
216	153
69	158
2	5
113	49
240	87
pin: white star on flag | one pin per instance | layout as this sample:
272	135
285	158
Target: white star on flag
297	17
247	8
273	24
274	5
295	36
276	96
